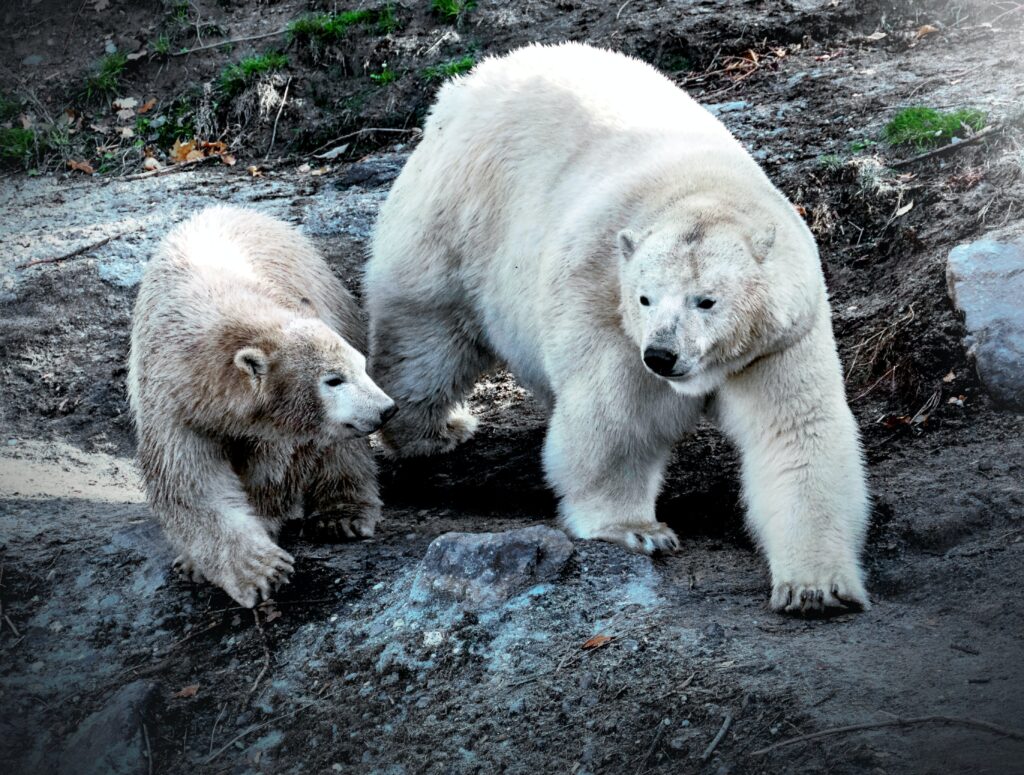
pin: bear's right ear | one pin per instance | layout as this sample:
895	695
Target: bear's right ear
627	239
252	361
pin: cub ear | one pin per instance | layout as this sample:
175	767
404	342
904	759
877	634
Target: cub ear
252	361
627	239
762	242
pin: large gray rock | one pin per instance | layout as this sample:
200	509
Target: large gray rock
111	741
986	283
480	570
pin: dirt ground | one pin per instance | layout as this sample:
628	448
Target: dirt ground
109	663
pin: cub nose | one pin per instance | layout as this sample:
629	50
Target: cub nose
388	413
660	360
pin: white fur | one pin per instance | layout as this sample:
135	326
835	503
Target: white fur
553	188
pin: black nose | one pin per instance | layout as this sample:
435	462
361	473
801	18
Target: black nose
659	360
388	413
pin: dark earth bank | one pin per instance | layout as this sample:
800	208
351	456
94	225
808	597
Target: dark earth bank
108	663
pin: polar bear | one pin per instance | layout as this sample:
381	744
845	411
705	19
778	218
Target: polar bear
251	403
573	214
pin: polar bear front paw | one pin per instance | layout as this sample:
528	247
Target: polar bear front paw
255	570
646	539
840	591
458	429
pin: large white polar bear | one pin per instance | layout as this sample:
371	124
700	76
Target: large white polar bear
574	214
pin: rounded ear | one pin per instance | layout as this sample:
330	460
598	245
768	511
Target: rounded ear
762	242
252	361
627	239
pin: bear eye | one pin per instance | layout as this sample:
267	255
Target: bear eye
706	303
645	301
333	381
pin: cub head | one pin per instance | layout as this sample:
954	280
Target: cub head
709	290
309	381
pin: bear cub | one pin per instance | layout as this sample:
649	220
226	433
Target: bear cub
251	399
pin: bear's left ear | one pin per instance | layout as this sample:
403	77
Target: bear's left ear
253	362
627	239
762	242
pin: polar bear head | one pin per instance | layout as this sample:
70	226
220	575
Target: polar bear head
309	381
708	289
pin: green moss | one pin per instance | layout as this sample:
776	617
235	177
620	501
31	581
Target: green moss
385	76
162	45
861	145
238	76
450	69
17	145
924	127
107	78
452	9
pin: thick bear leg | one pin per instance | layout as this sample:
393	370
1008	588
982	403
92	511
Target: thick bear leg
605	456
427	358
803	475
206	515
342	499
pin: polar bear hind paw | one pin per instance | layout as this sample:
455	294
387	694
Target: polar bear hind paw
334	528
458	429
839	594
652	538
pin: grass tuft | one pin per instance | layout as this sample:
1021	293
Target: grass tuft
238	76
450	69
927	127
328	27
17	145
385	76
452	9
105	81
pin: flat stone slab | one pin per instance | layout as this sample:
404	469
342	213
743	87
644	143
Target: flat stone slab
111	740
481	570
986	283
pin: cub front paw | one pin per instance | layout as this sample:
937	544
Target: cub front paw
186	569
647	538
797	594
254	571
331	528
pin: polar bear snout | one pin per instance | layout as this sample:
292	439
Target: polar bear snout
360	407
664	362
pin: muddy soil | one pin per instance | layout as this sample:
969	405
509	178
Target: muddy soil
109	663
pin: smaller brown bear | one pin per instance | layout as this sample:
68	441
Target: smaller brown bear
251	398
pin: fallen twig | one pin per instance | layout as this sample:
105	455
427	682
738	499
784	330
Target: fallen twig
273	135
266	652
11	625
229	42
621	9
366	131
650	749
180	167
951	148
726	723
149	750
897	722
256	727
72	254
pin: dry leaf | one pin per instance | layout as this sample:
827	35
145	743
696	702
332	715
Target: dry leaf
100	5
876	36
255	171
147	106
905	209
924	30
187	691
26	121
149	164
304	168
81	166
136	55
228	159
124	103
596	642
195	155
127	132
949	377
271	615
101	128
320	171
333	153
127	114
180	151
800	210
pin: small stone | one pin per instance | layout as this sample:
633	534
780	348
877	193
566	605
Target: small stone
32	60
718	108
986	282
481	570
